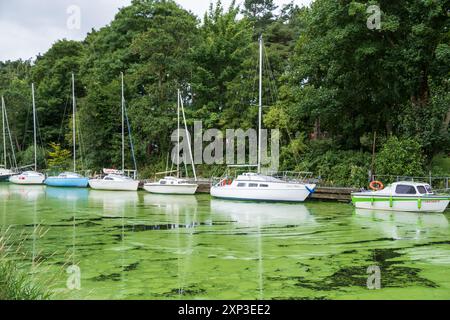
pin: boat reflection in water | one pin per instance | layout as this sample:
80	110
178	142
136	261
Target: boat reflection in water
114	203
257	216
262	214
67	194
181	210
401	225
24	192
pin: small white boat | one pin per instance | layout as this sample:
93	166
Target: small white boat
176	185
171	185
254	186
402	196
28	178
5	174
113	182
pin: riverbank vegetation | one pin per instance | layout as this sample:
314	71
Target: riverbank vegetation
15	282
336	89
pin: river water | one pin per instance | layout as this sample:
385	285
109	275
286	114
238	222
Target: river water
89	244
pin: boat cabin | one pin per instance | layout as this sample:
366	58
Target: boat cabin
70	175
172	181
115	177
408	188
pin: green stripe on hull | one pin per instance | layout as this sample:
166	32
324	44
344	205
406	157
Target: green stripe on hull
393	199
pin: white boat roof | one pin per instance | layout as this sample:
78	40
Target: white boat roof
117	177
251	176
70	175
410	183
173	179
31	173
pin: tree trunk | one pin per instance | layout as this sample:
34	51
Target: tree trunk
446	122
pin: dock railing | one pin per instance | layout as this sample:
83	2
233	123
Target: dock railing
438	183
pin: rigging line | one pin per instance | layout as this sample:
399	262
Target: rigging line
80	140
40	138
26	128
255	80
62	121
10	137
272	80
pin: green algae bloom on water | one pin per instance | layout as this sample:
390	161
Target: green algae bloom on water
120	245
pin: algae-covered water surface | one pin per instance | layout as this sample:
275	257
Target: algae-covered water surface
119	245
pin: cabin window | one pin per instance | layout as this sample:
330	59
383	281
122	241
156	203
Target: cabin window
428	188
163	182
240	185
404	189
253	185
264	185
109	179
421	189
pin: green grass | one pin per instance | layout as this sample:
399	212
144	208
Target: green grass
16	281
17	285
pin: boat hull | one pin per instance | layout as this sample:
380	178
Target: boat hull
67	182
275	194
187	189
5	177
404	204
35	180
114	185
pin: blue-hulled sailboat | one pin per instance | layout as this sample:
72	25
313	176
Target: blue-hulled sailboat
70	179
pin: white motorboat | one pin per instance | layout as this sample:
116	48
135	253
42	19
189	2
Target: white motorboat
28	178
254	186
402	196
176	185
257	186
113	182
171	185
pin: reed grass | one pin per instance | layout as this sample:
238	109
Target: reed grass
16	278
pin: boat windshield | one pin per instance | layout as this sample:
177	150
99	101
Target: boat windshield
421	189
70	175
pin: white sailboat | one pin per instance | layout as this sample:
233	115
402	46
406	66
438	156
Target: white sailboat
31	177
5	173
70	179
115	181
176	185
256	186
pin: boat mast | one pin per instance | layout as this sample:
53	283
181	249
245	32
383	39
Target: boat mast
74	125
123	126
4	131
260	101
178	134
34	127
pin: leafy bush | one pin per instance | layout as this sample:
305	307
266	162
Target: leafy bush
400	157
337	168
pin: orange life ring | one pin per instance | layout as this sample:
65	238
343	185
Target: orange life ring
376	185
